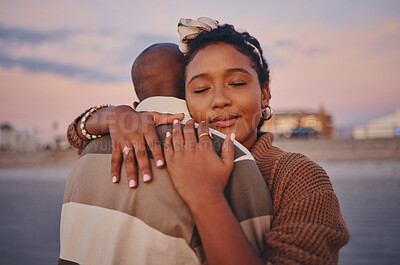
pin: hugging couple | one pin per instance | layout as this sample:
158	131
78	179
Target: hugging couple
187	177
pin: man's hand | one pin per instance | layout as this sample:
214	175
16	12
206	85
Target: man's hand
134	130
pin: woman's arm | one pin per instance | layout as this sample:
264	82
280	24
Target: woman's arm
126	128
200	176
223	239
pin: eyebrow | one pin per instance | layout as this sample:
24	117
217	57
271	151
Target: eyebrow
231	70
196	76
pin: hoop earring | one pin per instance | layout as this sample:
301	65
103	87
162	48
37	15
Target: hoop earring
266	115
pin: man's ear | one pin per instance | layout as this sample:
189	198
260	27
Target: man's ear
265	96
135	104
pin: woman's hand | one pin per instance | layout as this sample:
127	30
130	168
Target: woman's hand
134	130
197	172
200	176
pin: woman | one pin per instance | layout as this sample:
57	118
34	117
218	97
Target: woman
226	88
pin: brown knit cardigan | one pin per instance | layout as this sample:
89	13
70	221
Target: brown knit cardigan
307	226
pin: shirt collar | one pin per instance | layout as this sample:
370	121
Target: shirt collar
164	104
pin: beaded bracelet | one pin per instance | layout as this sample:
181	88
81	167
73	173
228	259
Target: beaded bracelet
86	117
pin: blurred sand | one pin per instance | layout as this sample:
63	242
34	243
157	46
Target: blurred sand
37	158
315	149
342	149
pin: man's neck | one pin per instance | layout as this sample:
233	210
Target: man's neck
164	104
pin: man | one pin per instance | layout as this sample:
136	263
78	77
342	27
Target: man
105	223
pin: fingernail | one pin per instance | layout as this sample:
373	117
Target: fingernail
176	121
159	163
146	178
114	179
168	134
232	136
132	183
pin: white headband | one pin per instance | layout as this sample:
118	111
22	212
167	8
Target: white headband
189	29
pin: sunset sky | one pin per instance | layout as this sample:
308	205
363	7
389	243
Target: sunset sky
57	58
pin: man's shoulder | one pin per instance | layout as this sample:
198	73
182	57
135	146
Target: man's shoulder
101	145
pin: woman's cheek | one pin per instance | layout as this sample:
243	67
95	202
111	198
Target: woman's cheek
256	119
195	113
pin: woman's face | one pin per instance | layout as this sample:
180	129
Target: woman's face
222	88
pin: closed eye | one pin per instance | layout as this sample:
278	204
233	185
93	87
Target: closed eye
201	90
237	84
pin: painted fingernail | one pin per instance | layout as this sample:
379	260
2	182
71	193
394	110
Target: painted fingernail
168	134
132	183
114	179
146	177
176	121
232	136
159	163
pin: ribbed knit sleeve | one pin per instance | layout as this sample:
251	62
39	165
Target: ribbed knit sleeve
72	135
307	226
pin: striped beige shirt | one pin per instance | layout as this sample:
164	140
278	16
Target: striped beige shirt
105	223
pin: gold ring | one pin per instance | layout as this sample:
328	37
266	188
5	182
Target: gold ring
126	150
206	134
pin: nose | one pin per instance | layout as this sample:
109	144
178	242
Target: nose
221	97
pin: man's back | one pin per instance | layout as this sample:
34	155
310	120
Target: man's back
104	223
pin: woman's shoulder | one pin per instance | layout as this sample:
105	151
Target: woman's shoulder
264	149
265	153
282	168
299	168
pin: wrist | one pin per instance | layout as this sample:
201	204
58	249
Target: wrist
200	204
115	114
95	124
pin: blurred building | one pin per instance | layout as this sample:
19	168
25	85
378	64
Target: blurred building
16	140
300	124
387	126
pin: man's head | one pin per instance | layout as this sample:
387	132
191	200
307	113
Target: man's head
157	71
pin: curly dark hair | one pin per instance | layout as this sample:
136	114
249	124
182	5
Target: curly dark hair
241	41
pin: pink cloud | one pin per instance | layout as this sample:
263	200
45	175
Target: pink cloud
352	75
37	100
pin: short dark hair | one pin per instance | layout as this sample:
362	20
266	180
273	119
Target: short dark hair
243	42
156	71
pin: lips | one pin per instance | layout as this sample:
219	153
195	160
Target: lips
224	120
